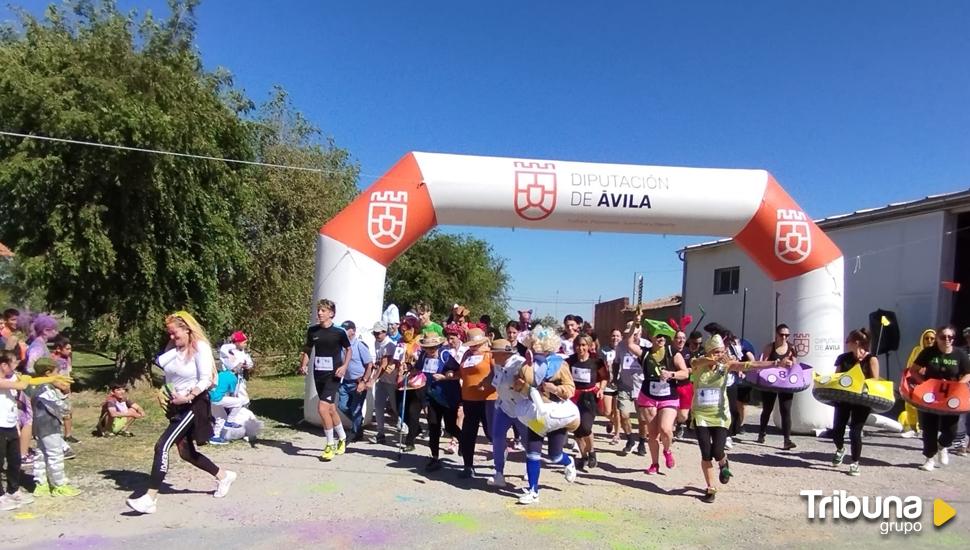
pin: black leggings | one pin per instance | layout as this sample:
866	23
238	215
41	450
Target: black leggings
939	431
178	433
477	413
587	414
853	416
711	441
412	412
10	453
436	414
784	406
732	393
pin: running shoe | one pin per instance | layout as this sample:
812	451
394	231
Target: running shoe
466	473
609	428
217	441
591	460
943	456
679	434
653	469
328	453
516	446
909	434
7	504
497	480
222	489
126	433
854	469
761	437
839	456
341	446
530	497
433	465
570	471
408	448
65	491
630	444
378	439
70	454
710	495
72	439
669	459
725	476
789	445
641	448
144	504
42	489
962	451
13	501
728	444
929	465
580	463
616	439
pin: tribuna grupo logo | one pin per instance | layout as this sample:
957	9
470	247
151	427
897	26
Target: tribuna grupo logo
896	515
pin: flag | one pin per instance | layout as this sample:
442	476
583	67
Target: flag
884	320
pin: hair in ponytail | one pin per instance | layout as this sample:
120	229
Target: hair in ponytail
860	336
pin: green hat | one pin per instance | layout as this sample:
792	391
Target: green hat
44	366
657	328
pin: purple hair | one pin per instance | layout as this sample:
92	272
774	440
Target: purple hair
41	323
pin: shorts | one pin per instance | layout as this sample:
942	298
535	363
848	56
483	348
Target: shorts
744	393
327	387
686	394
626	403
118	423
646	402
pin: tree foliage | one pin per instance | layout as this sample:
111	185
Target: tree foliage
117	238
444	269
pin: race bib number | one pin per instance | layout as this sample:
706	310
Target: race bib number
430	366
708	396
472	361
399	353
659	389
629	363
323	364
581	375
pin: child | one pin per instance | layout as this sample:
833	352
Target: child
12	498
50	407
224	403
62	356
117	413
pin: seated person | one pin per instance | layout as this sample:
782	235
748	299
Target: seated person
117	413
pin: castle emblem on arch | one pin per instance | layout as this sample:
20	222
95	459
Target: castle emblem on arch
387	218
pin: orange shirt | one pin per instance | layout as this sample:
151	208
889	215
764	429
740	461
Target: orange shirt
474	370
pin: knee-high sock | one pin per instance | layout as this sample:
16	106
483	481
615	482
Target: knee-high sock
533	465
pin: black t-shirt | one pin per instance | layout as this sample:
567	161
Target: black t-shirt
944	366
848	360
653	385
584	372
325	346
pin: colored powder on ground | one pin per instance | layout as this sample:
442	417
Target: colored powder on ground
83	543
327	487
373	537
405	498
458	520
24	515
588	515
539	514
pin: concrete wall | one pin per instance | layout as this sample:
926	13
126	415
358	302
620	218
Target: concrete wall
901	263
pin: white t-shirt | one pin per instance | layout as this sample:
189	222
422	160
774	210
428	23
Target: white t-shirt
186	373
8	408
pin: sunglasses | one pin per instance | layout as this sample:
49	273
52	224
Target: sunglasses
784	334
948	337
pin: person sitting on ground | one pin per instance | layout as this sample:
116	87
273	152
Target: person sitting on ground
118	413
50	407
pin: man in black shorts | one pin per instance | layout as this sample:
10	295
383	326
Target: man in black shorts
327	347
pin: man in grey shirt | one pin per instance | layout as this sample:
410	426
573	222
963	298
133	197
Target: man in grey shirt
353	388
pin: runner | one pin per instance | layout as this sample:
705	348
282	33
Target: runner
711	409
570	330
453	354
477	395
504	357
444	393
545	371
420	354
854	416
685	390
383	379
607	354
629	379
658	400
590	376
910	421
324	344
777	350
941	362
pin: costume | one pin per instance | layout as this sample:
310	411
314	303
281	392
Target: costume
50	407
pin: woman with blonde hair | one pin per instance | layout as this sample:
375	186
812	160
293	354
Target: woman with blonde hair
189	366
909	418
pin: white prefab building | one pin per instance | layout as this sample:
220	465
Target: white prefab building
896	258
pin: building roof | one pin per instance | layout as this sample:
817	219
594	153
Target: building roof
5	252
659	303
957	200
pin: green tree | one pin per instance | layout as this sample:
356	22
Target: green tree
283	221
547	321
444	269
115	238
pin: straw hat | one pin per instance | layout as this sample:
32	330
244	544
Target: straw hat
475	336
430	340
501	345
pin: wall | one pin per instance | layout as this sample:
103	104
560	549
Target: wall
900	266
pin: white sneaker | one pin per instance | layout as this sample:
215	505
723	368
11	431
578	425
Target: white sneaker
728	444
570	471
854	469
929	465
943	456
224	484
530	497
144	504
21	498
8	503
909	435
497	480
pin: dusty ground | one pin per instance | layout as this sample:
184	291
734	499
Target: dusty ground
367	498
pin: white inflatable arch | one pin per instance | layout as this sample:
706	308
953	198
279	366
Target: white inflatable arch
426	189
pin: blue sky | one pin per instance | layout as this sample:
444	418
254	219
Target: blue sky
849	105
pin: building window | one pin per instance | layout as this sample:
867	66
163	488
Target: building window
727	280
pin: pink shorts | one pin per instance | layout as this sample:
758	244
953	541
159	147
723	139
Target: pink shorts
686	394
647	403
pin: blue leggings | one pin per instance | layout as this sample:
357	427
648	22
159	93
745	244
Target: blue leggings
533	457
501	423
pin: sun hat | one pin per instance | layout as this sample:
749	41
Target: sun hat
378	327
475	337
501	345
430	340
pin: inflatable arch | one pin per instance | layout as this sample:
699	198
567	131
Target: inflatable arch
426	189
